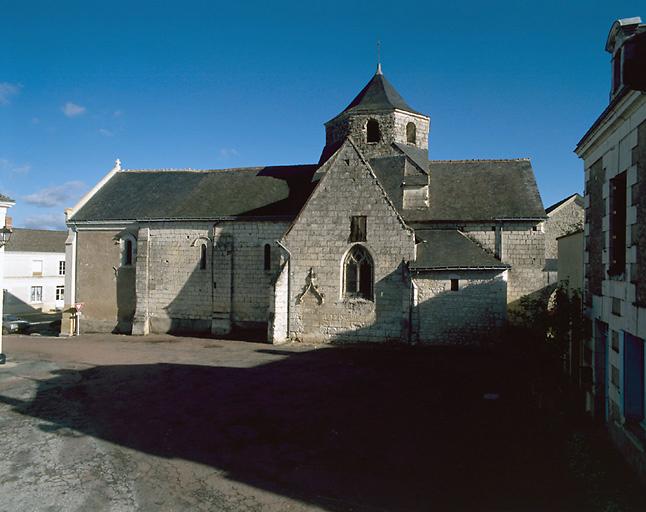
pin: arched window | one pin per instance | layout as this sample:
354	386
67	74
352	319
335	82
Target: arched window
128	251
267	257
203	257
373	133
358	273
411	133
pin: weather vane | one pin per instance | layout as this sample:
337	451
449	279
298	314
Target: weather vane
378	57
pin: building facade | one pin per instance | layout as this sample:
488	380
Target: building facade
34	271
614	155
375	242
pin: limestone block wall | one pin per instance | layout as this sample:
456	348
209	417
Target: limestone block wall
233	289
523	247
318	242
566	219
476	309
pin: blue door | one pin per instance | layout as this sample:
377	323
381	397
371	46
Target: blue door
633	377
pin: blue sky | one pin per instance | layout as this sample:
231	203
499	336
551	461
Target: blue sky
210	85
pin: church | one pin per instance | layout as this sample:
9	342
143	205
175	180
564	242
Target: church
375	242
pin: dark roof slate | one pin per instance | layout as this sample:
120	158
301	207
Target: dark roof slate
578	199
450	249
417	155
378	94
479	190
36	240
278	191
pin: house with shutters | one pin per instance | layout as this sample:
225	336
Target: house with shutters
613	151
374	242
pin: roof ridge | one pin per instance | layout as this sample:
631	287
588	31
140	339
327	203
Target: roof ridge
467	160
225	169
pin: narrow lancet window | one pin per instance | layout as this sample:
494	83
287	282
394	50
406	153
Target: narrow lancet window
203	257
411	133
267	257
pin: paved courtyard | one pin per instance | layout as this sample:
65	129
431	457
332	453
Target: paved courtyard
163	423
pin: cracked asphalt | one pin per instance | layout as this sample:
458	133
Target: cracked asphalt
116	423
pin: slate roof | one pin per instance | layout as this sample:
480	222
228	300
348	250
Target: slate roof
5	198
578	199
278	191
450	249
480	190
378	95
417	155
36	240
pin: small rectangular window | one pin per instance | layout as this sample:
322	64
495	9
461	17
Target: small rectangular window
36	294
267	257
455	285
61	268
358	228
36	267
614	341
60	292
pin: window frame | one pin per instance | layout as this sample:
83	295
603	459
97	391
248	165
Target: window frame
61	295
360	280
373	131
128	256
61	267
203	257
34	296
413	131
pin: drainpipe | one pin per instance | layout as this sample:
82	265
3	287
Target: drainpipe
289	280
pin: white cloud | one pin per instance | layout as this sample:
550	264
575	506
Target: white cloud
105	133
11	169
72	109
58	195
8	90
117	113
228	152
45	221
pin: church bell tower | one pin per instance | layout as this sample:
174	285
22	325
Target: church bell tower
375	119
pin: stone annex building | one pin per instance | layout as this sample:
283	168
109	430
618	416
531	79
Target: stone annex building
374	242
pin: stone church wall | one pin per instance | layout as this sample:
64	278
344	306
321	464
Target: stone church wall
318	242
106	289
233	290
476	310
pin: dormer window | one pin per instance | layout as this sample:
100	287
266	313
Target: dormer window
411	133
373	133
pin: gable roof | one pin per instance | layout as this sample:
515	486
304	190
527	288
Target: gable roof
278	191
416	155
378	94
480	190
36	240
578	199
451	249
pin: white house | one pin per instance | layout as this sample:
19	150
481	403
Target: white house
34	271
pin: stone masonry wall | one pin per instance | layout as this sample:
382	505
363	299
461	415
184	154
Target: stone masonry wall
566	219
524	249
318	242
233	289
477	309
392	126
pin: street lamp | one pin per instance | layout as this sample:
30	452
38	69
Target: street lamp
5	236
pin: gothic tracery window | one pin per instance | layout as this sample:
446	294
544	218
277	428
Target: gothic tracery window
358	273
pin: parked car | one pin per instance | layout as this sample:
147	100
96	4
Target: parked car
12	324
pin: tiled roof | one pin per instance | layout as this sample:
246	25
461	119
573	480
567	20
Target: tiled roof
450	249
36	240
578	199
187	194
378	95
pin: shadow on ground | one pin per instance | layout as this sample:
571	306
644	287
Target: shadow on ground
348	428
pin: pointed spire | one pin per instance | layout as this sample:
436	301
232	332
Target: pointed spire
379	69
378	58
